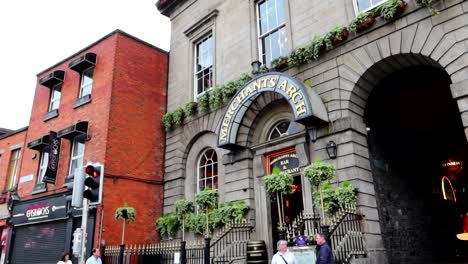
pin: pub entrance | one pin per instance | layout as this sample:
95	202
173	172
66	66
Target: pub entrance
286	160
417	149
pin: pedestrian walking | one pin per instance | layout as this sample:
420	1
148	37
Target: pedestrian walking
283	256
325	255
65	259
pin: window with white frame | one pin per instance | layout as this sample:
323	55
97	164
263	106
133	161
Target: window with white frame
55	95
365	5
86	84
280	129
208	170
43	164
77	155
13	168
273	41
203	65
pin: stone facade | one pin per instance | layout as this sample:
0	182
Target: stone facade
343	78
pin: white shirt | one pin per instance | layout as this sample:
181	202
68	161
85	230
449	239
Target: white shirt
93	260
63	262
288	256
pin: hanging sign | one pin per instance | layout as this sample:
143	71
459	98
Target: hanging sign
452	166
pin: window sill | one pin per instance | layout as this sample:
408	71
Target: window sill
51	114
39	188
82	101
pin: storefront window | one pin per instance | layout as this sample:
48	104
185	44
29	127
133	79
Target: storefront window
208	170
273	41
279	130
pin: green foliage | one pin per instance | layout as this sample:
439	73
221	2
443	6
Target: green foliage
360	19
167	224
183	207
429	4
167	121
178	116
131	213
319	172
391	8
330	203
207	199
318	46
308	83
228	212
216	97
335	33
279	62
278	182
345	194
197	222
204	103
190	109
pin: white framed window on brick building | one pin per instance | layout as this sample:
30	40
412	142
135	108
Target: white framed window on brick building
86	84
271	24
204	50
366	5
55	94
77	155
207	170
43	164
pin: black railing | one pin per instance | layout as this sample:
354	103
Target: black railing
347	239
227	246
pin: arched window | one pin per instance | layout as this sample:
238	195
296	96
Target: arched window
208	170
279	129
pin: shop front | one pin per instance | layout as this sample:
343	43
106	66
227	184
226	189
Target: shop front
42	230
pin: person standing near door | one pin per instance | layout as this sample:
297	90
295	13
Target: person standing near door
283	256
325	255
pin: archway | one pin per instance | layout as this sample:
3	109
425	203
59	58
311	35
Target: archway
414	130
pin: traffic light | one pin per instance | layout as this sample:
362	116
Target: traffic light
94	174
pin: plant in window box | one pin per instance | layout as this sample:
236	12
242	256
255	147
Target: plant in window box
279	63
362	22
167	121
297	57
178	116
317	47
216	97
336	36
204	102
430	4
190	109
392	8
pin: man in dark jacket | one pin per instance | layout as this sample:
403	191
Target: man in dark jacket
324	255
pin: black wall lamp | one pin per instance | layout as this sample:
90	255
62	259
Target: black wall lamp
256	67
331	149
312	131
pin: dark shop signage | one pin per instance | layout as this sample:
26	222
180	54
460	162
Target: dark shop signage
54	153
287	162
40	211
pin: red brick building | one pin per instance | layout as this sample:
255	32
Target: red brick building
105	103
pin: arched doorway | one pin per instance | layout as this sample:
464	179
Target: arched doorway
414	130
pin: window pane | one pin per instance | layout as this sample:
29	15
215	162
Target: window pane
78	148
283	42
280	11
363	4
263	18
204	65
13	168
208	170
86	81
275	49
271	15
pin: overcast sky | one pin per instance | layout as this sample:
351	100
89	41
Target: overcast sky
35	35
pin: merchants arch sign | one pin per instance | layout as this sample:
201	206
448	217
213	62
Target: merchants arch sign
307	107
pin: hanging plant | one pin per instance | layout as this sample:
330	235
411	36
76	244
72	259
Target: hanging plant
392	8
319	45
178	116
167	121
183	208
362	22
429	4
278	184
190	109
279	63
216	98
204	102
318	173
207	200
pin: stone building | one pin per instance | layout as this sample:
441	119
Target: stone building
97	105
393	98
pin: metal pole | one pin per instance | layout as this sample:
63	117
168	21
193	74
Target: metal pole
183	253
207	250
84	223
